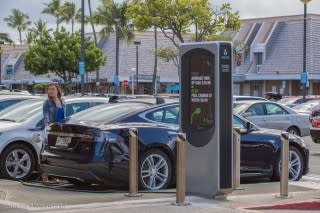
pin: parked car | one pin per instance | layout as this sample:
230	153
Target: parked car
14	92
315	124
9	100
152	99
273	96
93	146
21	134
272	115
295	100
307	107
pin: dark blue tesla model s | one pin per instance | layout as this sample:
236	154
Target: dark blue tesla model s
92	146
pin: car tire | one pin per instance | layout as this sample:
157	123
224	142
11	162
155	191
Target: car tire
294	130
155	170
296	165
17	162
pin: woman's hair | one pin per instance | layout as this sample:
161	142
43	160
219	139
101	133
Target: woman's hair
60	93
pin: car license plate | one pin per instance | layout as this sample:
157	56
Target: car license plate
63	141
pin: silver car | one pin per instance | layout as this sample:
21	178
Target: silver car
273	116
21	134
9	100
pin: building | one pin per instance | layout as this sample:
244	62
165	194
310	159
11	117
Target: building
271	62
167	72
273	57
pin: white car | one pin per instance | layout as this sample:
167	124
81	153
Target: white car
272	115
21	133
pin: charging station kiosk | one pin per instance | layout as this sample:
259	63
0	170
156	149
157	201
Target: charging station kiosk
206	115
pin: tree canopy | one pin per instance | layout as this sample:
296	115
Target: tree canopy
179	18
111	14
18	20
60	54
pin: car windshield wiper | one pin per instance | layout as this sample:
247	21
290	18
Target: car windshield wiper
5	119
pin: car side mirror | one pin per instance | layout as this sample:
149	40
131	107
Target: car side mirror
249	127
37	128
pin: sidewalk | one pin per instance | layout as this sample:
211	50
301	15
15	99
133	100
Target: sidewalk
16	198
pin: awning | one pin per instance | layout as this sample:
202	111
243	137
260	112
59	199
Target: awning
173	88
41	80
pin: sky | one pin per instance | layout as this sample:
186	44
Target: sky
246	8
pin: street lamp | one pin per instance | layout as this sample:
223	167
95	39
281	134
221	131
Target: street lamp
1	42
116	77
137	43
305	2
82	56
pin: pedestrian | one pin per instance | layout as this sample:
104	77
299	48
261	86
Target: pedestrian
53	112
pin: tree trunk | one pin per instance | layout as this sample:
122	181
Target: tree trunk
20	39
154	77
72	24
57	24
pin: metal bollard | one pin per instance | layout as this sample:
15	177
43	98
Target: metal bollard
284	178
181	170
236	158
133	163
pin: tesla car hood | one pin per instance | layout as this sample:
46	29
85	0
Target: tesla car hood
8	125
276	132
268	131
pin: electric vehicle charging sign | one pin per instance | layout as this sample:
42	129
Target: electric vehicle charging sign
201	91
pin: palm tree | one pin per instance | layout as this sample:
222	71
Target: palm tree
54	9
5	38
110	15
18	20
69	13
40	27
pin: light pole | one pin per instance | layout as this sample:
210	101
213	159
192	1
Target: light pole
305	2
82	59
1	42
137	43
116	77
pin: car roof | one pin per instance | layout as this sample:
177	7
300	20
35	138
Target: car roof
85	98
252	101
245	97
9	97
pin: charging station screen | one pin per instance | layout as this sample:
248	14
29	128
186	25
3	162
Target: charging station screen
202	90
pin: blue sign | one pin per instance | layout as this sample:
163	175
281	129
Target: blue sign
9	69
303	77
81	68
116	80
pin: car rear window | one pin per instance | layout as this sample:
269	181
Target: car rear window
108	112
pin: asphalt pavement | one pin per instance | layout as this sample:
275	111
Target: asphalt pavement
18	197
257	195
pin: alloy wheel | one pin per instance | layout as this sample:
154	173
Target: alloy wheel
295	165
154	171
18	163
